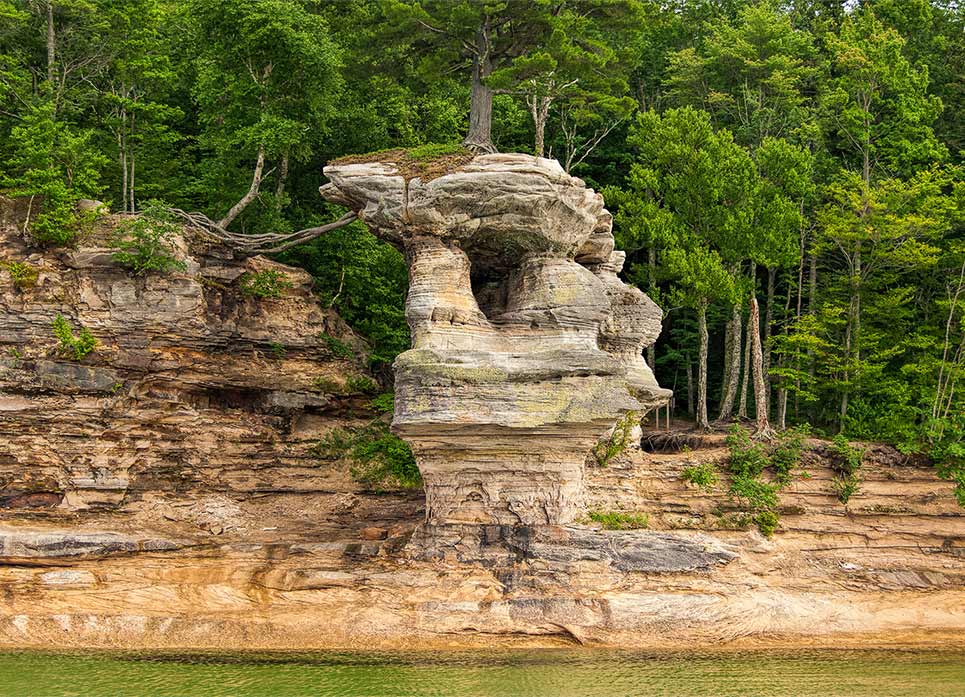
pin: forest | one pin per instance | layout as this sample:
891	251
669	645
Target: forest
789	170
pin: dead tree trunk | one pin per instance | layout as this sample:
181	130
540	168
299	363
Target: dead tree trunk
763	424
253	190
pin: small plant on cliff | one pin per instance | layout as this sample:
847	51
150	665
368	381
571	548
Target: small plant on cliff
786	454
361	383
337	347
848	461
616	520
145	242
384	403
325	384
69	345
702	475
378	458
22	274
746	464
278	351
267	283
617	441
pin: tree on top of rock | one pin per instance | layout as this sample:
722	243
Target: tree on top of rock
544	50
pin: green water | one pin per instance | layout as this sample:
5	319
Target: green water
536	673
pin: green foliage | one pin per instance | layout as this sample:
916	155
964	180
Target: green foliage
337	347
747	458
847	463
277	350
267	283
378	459
384	403
327	385
361	383
703	475
616	442
786	453
53	166
69	345
145	243
616	520
22	274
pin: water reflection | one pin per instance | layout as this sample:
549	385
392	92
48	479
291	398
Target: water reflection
486	673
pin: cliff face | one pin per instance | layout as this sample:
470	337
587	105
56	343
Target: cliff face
165	490
192	383
526	345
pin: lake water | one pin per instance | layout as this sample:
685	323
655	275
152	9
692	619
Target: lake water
487	673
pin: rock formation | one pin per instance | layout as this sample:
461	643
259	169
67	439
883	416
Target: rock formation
526	346
192	381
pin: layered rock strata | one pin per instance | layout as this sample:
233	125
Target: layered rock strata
192	383
526	346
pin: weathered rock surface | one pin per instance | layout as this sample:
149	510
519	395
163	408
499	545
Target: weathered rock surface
526	345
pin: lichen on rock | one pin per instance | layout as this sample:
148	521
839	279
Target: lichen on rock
527	346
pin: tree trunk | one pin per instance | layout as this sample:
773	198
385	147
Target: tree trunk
732	373
252	191
539	109
51	43
122	156
652	291
768	319
690	388
763	424
745	374
130	180
479	138
702	421
282	178
781	408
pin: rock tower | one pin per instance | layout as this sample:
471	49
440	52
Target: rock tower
526	346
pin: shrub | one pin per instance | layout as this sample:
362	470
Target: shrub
327	385
22	274
786	455
616	442
267	283
378	458
766	522
614	520
747	458
384	403
848	461
337	347
703	475
277	350
845	486
145	242
75	347
361	383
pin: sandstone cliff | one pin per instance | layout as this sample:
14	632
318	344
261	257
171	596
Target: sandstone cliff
164	490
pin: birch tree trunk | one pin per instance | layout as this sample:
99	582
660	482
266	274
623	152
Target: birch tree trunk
732	374
702	421
763	424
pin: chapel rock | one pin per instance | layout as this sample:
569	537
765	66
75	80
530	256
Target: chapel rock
526	346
